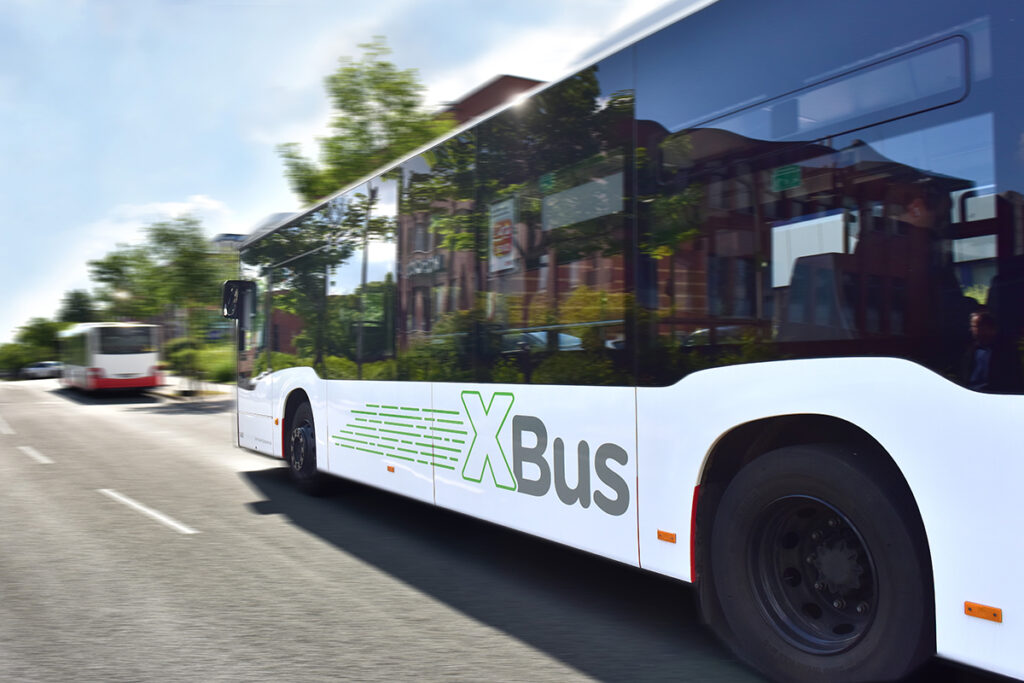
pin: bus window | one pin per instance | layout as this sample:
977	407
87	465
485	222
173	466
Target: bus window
555	188
124	340
850	246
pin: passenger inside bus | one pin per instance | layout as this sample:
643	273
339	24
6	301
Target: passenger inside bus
992	362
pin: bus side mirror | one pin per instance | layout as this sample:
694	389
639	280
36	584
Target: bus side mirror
237	293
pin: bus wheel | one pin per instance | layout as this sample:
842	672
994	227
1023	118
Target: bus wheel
821	568
301	445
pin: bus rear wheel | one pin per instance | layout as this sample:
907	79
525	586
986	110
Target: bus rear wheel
820	568
300	444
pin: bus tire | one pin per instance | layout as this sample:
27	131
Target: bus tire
300	446
821	568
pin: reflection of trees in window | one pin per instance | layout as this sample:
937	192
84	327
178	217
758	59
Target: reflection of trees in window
301	259
562	138
441	275
446	194
563	159
560	159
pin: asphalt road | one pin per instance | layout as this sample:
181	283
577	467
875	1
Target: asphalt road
138	544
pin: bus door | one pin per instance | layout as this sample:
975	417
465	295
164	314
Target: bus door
255	415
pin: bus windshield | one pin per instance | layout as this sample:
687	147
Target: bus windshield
116	340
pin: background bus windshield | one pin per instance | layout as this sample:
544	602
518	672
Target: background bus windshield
115	340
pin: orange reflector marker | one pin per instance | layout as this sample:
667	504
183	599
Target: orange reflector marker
666	536
391	468
973	609
277	422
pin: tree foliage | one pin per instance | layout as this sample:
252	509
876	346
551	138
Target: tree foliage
34	341
41	334
308	251
190	273
173	268
378	117
128	283
14	356
77	307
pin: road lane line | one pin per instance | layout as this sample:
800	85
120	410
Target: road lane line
149	512
35	455
5	428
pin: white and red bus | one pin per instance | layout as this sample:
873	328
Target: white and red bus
740	302
101	356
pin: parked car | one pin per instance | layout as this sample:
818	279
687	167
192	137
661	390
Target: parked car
538	341
46	368
724	334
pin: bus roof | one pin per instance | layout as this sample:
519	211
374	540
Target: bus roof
83	327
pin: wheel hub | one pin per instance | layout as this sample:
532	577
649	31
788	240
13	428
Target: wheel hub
301	444
813	575
838	567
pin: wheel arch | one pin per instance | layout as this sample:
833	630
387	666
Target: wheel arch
745	443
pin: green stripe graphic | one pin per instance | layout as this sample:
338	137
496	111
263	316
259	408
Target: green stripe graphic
440	435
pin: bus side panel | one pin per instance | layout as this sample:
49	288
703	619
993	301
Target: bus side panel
554	461
378	434
75	376
255	415
958	450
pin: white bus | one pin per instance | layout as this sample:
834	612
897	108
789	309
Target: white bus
100	356
829	196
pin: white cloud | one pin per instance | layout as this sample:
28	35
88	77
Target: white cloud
305	131
545	52
295	106
210	211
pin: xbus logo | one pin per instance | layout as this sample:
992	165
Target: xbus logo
530	446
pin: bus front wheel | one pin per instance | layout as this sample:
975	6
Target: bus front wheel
821	569
301	449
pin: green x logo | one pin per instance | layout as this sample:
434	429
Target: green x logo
487	420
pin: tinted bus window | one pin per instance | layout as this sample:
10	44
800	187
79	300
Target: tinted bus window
555	204
115	340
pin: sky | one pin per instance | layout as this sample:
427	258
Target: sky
115	114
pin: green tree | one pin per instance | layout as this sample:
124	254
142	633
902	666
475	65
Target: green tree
378	117
129	283
175	267
190	272
14	356
77	307
40	335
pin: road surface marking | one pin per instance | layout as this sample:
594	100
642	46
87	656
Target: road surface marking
149	512
5	428
35	455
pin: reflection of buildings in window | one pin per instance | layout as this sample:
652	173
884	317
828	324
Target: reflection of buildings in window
420	235
439	281
284	327
814	254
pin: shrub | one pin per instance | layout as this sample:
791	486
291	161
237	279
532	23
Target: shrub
217	363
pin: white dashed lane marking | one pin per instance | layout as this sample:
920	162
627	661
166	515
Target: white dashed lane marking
35	455
149	512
